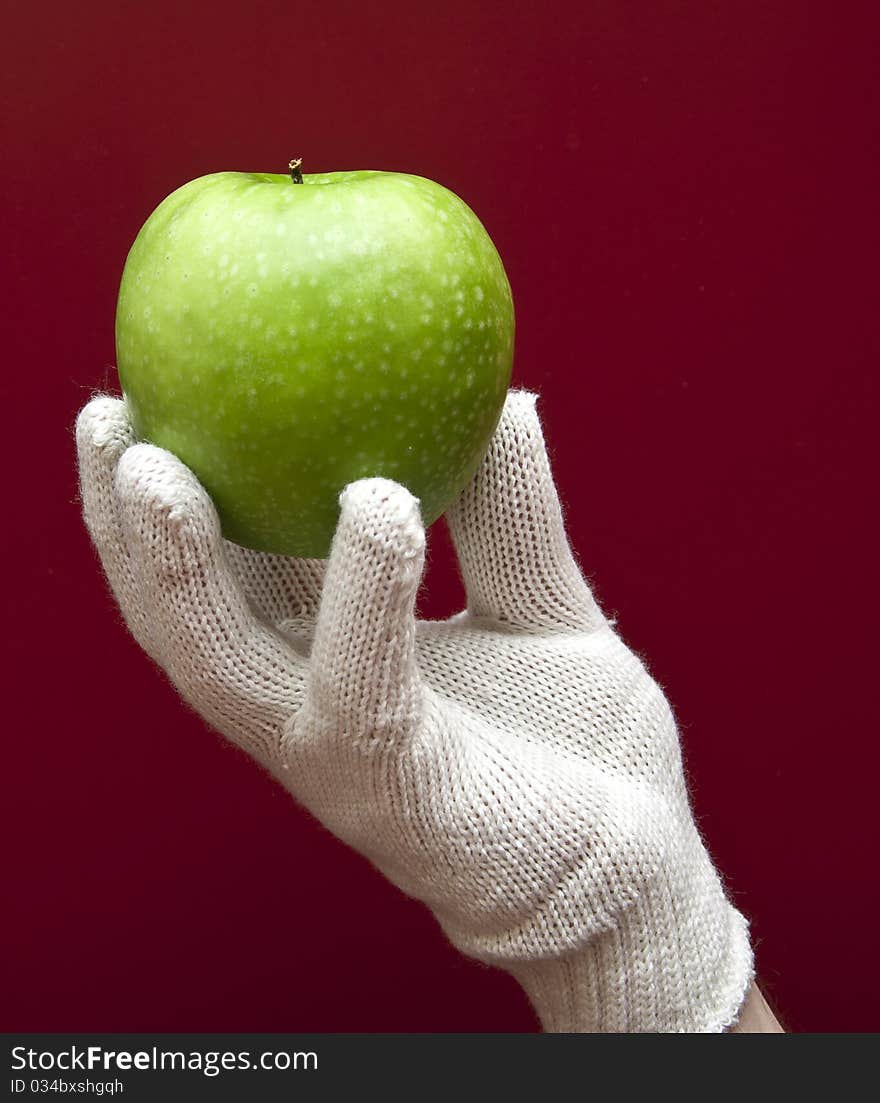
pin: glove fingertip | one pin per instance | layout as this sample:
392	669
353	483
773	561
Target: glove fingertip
103	424
151	481
383	512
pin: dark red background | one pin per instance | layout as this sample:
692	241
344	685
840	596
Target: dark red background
684	195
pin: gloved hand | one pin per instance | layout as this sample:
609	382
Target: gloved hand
514	767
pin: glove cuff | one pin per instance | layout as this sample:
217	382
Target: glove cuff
662	969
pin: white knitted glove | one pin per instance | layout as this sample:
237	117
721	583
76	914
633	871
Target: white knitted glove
514	767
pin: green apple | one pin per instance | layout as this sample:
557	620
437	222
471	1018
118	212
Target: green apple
284	335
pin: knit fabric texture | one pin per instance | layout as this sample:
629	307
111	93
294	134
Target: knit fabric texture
514	767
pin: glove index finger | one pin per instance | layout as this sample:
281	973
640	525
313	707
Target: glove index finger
364	683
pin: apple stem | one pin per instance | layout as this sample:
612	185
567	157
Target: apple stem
295	175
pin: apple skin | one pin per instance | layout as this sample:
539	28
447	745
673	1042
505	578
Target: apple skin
284	339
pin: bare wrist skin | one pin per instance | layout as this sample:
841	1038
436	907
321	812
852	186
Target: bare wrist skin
756	1016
